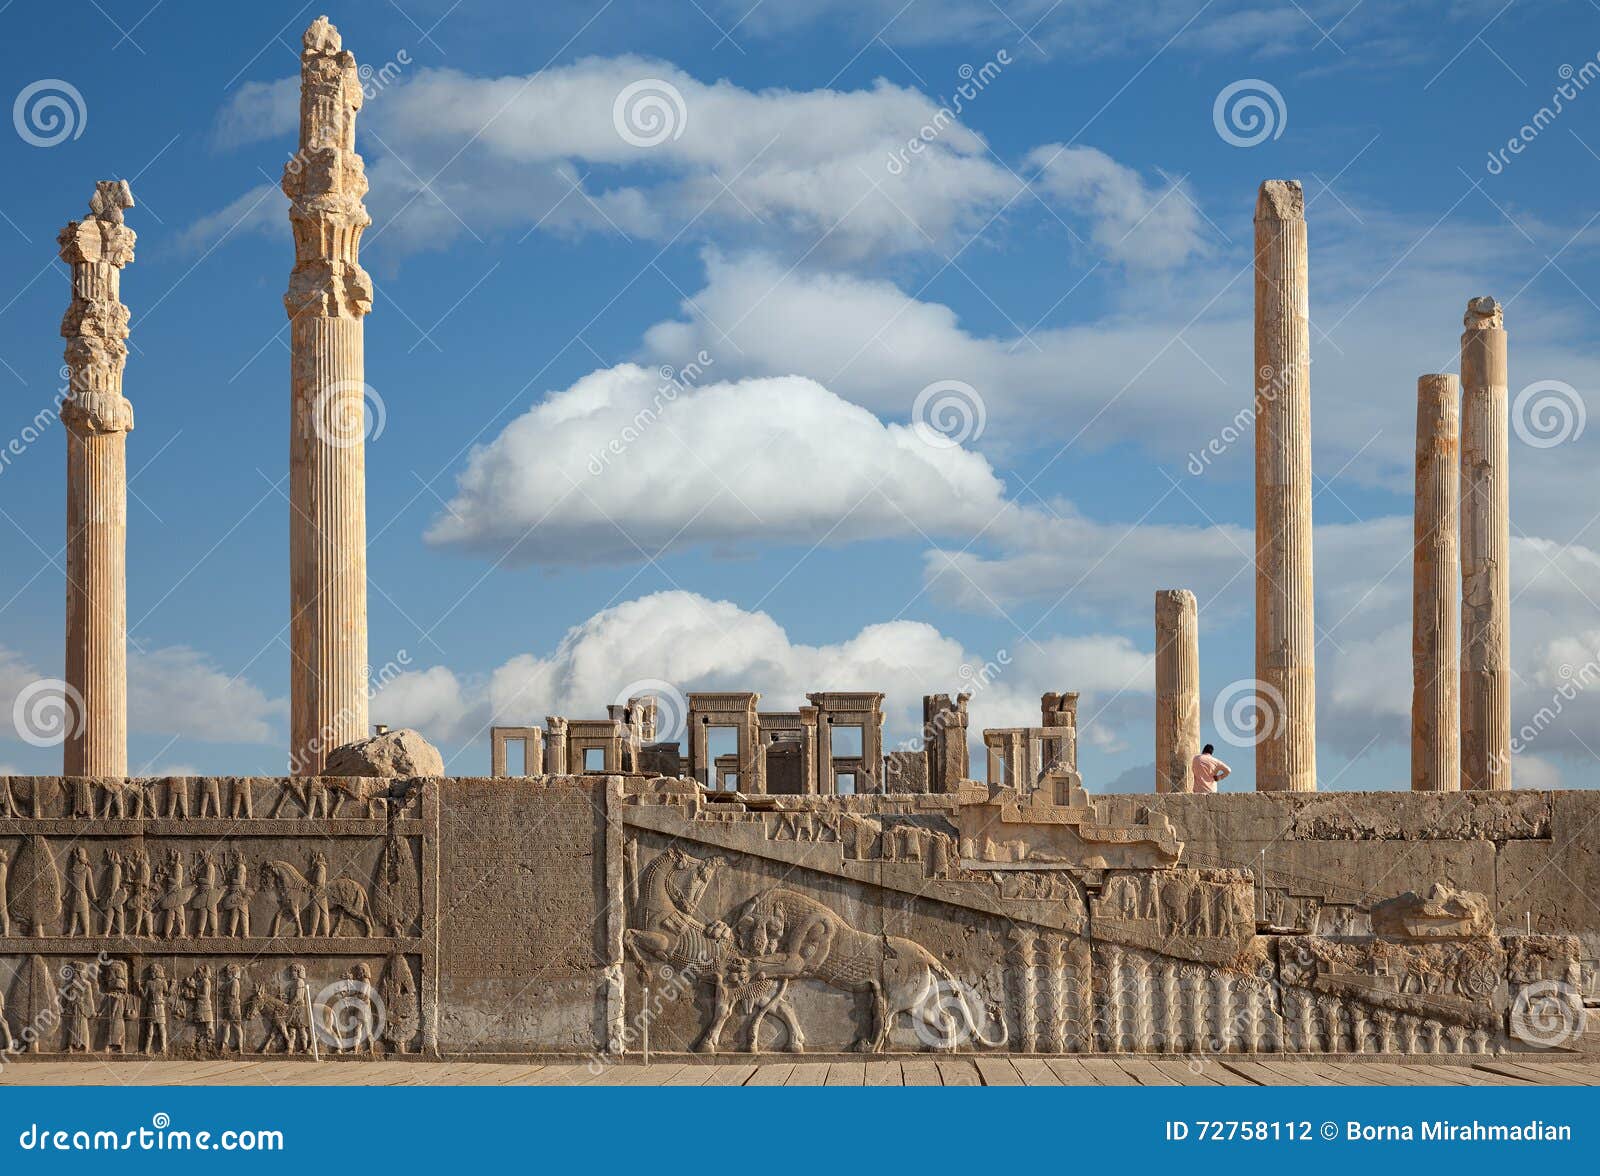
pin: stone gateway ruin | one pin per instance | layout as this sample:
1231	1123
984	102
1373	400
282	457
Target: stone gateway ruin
632	890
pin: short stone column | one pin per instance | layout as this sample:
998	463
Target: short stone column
1177	688
97	418
1485	551
1286	750
1435	580
327	301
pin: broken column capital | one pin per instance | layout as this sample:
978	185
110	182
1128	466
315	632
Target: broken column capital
95	325
1484	313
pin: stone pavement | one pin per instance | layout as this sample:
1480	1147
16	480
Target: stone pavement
962	1071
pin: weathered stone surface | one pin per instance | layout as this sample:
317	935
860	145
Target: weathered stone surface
1436	584
1286	757
394	753
1177	688
523	876
1485	551
1440	913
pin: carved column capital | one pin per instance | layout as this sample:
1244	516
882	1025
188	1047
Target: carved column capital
96	322
325	182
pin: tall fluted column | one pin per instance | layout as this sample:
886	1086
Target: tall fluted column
329	295
97	418
1435	577
1485	547
1177	688
1286	751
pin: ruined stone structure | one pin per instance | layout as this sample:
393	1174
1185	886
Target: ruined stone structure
98	418
328	298
1485	551
1436	580
1177	688
1286	751
571	915
780	880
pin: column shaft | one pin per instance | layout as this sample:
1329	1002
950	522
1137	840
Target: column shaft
1435	577
1177	688
328	298
97	418
1285	629
1485	548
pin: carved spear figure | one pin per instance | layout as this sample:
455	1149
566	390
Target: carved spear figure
236	898
142	894
5	900
116	896
207	894
176	898
80	877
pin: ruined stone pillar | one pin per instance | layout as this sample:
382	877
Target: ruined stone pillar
1286	751
1435	575
1177	688
97	418
1485	548
329	295
555	751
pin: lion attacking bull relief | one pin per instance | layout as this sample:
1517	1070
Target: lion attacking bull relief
781	936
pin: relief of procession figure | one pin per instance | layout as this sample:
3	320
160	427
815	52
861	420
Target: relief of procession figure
80	880
330	902
236	897
114	905
115	1006
156	992
77	1007
199	994
175	898
207	894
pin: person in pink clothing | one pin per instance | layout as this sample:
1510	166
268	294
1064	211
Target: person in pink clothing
1206	770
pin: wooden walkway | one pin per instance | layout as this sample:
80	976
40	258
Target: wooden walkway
961	1071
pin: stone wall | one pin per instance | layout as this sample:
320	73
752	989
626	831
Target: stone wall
530	916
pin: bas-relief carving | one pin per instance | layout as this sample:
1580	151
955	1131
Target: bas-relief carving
180	934
1151	959
751	956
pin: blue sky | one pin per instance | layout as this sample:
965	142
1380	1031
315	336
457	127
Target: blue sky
1070	251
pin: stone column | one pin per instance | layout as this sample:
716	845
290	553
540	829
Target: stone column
1435	575
329	295
97	419
1485	547
1286	751
1177	688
